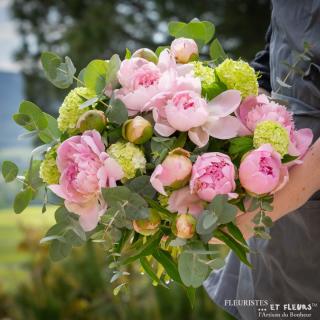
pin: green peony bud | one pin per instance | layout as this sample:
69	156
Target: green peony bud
137	130
238	75
184	226
147	54
92	119
274	133
49	172
70	112
130	158
148	226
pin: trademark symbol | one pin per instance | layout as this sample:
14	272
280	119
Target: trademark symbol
314	305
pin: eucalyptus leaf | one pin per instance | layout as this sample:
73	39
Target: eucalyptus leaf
142	186
201	32
216	51
117	112
113	68
59	73
94	75
216	264
206	223
37	118
22	119
59	250
225	211
192	271
51	133
22	200
9	171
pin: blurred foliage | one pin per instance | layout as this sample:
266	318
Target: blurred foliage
88	29
79	288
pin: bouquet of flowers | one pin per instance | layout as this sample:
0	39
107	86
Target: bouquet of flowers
155	154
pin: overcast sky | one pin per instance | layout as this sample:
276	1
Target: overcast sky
9	38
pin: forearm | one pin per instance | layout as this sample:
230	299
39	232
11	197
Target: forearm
304	181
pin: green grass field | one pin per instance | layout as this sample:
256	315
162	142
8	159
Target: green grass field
12	260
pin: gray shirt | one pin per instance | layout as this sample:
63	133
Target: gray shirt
286	268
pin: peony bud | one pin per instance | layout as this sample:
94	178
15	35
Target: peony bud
150	226
174	171
184	226
137	130
92	119
146	54
184	50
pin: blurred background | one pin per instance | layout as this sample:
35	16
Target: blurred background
31	287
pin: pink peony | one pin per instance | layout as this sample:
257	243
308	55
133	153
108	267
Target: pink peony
142	80
213	173
175	171
182	201
257	109
85	168
184	49
261	170
186	110
139	79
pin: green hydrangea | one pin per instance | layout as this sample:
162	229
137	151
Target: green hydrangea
238	75
70	112
274	133
49	172
205	73
129	156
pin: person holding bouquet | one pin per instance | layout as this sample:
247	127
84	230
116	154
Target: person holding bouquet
285	268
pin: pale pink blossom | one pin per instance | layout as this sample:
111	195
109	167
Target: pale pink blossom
85	168
213	173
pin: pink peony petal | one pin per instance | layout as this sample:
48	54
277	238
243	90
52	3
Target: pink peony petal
223	128
300	142
155	180
198	136
225	103
163	129
182	201
284	179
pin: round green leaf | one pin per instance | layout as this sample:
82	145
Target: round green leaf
9	171
22	200
94	75
192	271
117	112
57	72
